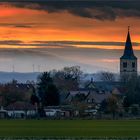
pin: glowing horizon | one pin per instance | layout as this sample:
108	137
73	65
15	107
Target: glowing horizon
62	35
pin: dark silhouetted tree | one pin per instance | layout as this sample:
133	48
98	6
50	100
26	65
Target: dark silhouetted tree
103	106
68	78
12	92
112	105
34	99
132	91
47	91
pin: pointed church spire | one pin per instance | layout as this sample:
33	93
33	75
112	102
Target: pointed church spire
128	51
128	62
128	37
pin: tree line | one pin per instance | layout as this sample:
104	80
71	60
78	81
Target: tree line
49	86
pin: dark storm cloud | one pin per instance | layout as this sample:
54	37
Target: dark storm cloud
101	10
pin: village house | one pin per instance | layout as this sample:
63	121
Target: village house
95	92
21	110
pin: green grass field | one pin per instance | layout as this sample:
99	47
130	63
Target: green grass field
72	128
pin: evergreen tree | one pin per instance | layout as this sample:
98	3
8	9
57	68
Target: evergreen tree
34	99
47	91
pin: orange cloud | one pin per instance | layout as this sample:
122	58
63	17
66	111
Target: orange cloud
64	26
110	60
7	11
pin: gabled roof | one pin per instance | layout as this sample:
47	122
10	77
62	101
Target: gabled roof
19	105
91	85
128	51
98	98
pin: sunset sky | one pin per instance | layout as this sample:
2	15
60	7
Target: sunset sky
54	34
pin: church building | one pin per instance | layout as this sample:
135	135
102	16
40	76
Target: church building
128	62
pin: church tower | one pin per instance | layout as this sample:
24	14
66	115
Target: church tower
128	62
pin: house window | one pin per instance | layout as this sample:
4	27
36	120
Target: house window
133	64
124	64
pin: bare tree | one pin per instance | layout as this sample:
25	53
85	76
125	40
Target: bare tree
107	76
68	78
112	105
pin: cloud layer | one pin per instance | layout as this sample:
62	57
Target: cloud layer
61	44
101	10
87	33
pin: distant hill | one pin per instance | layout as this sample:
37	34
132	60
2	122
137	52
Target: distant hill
20	77
32	76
